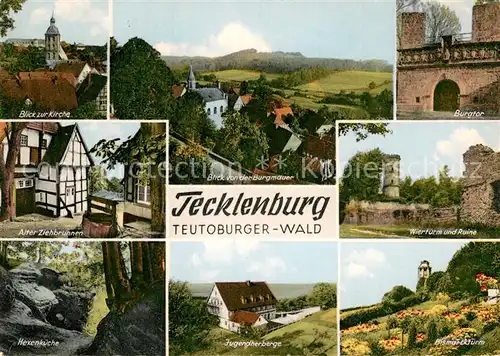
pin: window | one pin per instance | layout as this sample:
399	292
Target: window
417	99
70	191
215	110
28	183
44	143
143	194
24	140
208	111
21	184
222	109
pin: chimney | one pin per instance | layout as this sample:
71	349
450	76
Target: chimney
486	22
412	30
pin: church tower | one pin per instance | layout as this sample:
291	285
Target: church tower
390	169
191	81
52	41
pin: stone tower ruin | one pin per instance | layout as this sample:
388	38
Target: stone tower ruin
390	172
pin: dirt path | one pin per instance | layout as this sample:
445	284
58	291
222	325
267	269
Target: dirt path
379	234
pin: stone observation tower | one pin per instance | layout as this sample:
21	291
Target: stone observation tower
52	41
390	171
424	271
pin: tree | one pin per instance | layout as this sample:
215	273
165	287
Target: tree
440	21
12	131
148	150
241	141
115	185
6	21
189	322
88	111
396	294
147	268
324	295
141	82
97	179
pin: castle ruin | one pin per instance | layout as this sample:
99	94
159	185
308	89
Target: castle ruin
455	72
481	186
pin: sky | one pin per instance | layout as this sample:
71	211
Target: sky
426	147
247	259
85	21
369	270
93	131
327	29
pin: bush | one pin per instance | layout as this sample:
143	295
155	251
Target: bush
412	335
397	294
432	332
470	315
489	326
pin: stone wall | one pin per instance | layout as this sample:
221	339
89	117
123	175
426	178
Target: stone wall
479	87
481	186
486	22
388	213
412	30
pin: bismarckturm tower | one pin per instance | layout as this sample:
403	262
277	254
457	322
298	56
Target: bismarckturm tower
390	170
424	271
52	41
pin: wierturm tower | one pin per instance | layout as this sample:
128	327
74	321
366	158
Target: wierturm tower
390	170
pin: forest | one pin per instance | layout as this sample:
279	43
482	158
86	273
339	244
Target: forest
82	295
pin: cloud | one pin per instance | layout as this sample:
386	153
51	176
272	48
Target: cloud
232	37
458	142
268	268
360	264
195	260
40	15
208	275
91	14
356	270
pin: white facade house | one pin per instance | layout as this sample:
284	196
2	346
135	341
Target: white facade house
242	304
52	171
216	101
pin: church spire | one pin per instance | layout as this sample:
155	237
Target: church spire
52	19
191	81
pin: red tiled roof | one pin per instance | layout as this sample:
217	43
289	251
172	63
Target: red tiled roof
320	147
70	77
244	318
178	90
280	114
50	127
74	67
245	295
47	93
245	99
4	74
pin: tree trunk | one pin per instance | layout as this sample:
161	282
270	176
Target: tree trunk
158	261
3	253
108	272
157	183
137	263
147	265
121	284
7	166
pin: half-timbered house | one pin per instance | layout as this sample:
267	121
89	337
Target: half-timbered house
52	170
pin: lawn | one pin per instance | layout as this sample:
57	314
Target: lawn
350	80
320	327
362	231
239	75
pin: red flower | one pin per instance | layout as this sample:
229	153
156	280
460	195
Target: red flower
484	288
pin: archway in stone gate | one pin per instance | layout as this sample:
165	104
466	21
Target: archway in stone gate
446	96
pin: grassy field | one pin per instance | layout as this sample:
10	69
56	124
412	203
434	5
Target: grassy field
280	290
320	328
239	75
362	231
352	80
